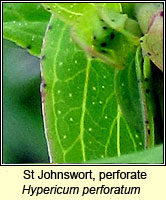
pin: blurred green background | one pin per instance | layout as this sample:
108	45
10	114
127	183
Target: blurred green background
23	132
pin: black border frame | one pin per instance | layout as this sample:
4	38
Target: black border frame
78	164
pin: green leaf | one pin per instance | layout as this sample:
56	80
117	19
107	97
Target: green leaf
151	156
71	12
98	39
118	22
23	134
106	21
113	6
149	100
82	118
130	97
145	13
25	25
129	9
67	12
133	28
135	104
152	41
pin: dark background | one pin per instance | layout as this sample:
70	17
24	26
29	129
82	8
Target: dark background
23	132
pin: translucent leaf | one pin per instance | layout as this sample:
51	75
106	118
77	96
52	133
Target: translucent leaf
82	118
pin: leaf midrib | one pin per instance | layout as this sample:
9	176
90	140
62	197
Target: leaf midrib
84	109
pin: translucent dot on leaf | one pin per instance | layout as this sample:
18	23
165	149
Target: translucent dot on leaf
71	40
38	6
122	84
104	77
70	16
14	22
75	61
90	142
106	117
94	88
90	129
93	103
70	94
136	136
59	112
71	6
61	63
59	11
64	137
140	143
100	102
68	69
103	86
59	91
102	156
71	119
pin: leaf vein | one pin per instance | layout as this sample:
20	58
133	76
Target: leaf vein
82	120
109	137
68	11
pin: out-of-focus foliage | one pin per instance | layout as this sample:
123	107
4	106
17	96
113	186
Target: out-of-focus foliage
23	134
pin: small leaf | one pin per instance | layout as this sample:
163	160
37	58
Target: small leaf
145	12
118	22
133	28
96	36
25	25
104	41
152	41
82	118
